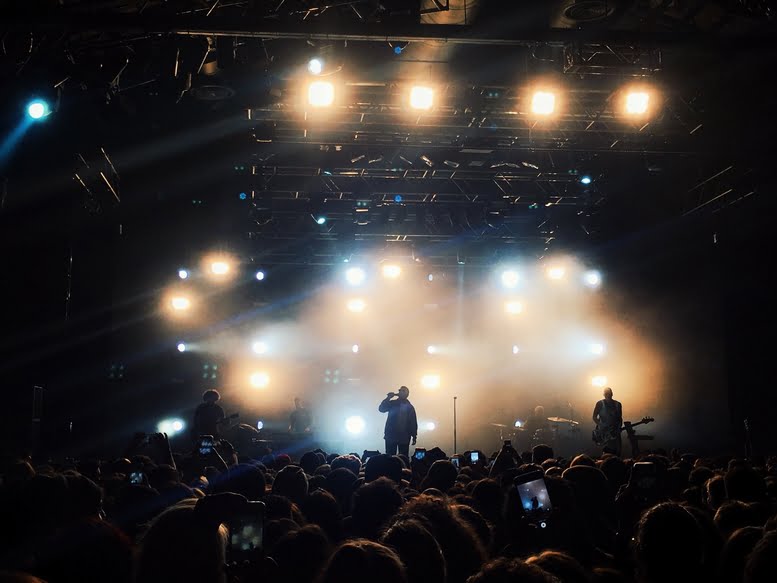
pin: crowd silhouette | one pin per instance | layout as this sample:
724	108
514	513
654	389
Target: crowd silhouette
158	516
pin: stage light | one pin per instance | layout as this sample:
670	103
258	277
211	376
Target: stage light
260	380
355	276
315	66
430	426
183	274
170	426
586	180
599	381
596	348
354	425
430	277
543	103
355	348
321	94
637	102
180	303
181	347
421	97
430	381
260	425
392	271
516	349
518	423
38	109
510	278
260	275
431	349
592	278
259	347
219	268
556	272
356	305
319	219
513	307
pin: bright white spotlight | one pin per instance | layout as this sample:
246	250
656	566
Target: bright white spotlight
596	348
321	94
219	267
181	303
518	423
431	349
586	180
430	426
637	102
592	278
260	275
513	308
516	349
170	426
430	381
183	274
556	272
260	425
421	97
355	275
355	348
354	425
392	271
543	103
260	380
599	381
38	109
356	305
181	347
315	66
259	347
510	278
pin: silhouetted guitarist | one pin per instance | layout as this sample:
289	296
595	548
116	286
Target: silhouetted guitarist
608	416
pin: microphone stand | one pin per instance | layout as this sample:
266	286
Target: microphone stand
455	445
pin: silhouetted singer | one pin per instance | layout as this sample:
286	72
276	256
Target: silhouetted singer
401	424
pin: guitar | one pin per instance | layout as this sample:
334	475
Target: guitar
602	436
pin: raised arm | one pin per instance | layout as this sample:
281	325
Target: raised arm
385	404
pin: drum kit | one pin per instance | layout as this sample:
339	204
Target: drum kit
524	437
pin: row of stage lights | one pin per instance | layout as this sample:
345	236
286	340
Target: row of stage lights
260	379
222	269
354	425
637	101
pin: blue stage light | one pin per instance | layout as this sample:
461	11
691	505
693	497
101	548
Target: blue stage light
586	180
38	109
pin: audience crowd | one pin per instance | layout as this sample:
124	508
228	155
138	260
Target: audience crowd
159	517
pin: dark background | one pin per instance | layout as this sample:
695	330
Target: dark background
80	292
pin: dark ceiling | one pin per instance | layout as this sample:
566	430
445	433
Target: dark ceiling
191	103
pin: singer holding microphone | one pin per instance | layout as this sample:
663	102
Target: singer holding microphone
401	424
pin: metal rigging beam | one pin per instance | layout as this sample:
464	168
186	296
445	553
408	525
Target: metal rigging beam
267	28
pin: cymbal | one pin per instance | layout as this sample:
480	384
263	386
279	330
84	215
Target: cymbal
562	420
498	425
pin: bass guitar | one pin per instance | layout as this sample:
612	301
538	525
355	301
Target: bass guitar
601	436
